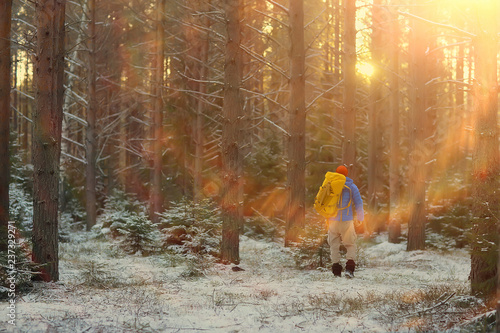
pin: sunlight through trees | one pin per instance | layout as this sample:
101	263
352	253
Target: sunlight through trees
246	105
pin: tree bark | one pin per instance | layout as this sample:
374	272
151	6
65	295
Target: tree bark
47	122
198	122
91	141
231	155
26	126
66	147
5	80
338	40
417	126
295	218
349	67
156	196
486	159
376	222
394	159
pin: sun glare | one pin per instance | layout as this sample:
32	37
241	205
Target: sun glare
365	68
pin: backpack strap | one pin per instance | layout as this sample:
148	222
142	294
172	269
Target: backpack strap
350	200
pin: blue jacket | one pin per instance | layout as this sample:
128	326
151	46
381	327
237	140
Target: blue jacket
356	201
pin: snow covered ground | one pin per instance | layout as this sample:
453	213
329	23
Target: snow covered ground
103	290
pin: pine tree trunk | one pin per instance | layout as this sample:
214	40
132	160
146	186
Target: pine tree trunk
90	142
66	148
328	57
295	218
122	148
231	155
375	116
198	126
394	160
337	5
156	196
47	122
260	47
5	80
417	126
349	67
15	122
459	116
338	72
486	159
498	286
26	126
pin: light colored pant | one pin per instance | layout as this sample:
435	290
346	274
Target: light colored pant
342	232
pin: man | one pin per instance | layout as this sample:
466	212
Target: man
341	227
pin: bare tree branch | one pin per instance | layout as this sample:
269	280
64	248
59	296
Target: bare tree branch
264	61
274	3
446	26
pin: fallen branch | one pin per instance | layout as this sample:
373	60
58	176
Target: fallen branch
431	308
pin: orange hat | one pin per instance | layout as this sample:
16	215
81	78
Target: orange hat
342	169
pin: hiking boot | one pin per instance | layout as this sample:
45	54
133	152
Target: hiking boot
349	268
336	269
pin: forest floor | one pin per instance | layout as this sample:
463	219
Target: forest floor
103	290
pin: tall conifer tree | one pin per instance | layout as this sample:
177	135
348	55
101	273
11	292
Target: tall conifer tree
47	123
5	68
231	154
486	157
297	121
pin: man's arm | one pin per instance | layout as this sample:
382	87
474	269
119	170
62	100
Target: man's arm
358	203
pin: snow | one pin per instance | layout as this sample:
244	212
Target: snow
103	290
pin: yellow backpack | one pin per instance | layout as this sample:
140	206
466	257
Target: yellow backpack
329	194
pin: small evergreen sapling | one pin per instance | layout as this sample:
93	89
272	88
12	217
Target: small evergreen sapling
124	218
24	269
189	227
312	251
140	235
21	208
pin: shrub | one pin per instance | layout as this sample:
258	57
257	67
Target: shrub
452	222
260	227
312	251
73	219
21	207
24	270
118	207
139	235
96	275
189	227
124	218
